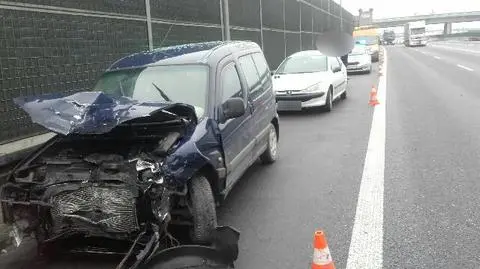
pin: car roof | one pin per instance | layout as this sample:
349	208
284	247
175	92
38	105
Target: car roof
307	53
181	54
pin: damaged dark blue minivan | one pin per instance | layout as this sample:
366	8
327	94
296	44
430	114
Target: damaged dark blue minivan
160	140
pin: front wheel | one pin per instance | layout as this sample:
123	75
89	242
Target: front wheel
328	101
270	155
202	209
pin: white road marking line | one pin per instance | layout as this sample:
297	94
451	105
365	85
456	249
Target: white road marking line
464	67
436	57
458	49
366	245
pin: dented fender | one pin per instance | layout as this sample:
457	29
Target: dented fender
194	152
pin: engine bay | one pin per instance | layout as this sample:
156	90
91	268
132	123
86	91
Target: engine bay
108	186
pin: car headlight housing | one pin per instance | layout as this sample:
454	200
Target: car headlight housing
313	88
319	87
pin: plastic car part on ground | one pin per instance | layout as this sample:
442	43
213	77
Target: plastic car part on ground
221	255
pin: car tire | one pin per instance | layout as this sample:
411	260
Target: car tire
270	154
344	94
202	209
328	101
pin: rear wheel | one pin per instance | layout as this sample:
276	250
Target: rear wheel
202	209
270	155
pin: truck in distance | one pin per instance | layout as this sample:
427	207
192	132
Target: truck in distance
414	34
388	37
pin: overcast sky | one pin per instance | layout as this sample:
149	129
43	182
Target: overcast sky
398	8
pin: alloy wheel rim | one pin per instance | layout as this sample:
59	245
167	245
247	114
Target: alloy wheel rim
273	142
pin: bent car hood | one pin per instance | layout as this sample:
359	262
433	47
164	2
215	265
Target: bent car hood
94	112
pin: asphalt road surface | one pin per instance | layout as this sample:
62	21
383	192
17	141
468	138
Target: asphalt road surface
416	169
429	215
314	185
432	173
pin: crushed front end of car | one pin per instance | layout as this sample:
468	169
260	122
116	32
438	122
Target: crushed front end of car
106	184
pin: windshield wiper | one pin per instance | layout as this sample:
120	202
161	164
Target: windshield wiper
164	96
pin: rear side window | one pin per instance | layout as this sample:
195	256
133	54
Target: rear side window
231	86
250	71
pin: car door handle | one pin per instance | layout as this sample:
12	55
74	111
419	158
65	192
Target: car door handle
251	106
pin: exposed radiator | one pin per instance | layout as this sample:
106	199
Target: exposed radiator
95	210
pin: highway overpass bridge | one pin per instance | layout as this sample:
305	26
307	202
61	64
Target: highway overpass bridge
446	18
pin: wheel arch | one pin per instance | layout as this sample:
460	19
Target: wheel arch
208	171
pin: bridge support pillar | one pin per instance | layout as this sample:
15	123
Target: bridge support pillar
447	28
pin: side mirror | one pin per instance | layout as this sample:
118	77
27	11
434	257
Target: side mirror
337	69
233	108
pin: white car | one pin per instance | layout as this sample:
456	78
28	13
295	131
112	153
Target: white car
309	79
359	60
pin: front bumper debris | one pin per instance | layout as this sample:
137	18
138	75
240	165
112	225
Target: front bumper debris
221	255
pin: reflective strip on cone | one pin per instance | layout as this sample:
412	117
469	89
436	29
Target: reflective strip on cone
322	256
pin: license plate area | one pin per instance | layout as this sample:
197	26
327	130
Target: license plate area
289	105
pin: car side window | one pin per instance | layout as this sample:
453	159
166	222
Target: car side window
231	86
339	61
261	63
250	71
334	63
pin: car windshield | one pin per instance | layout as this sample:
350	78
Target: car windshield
418	31
174	83
366	40
358	50
303	64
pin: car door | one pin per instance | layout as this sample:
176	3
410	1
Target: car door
264	102
260	96
236	134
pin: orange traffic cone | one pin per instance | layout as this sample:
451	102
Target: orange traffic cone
373	97
321	254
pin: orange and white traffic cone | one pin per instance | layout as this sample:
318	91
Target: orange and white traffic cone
321	254
373	97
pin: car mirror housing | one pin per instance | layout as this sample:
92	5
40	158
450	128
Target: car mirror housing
337	69
233	108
